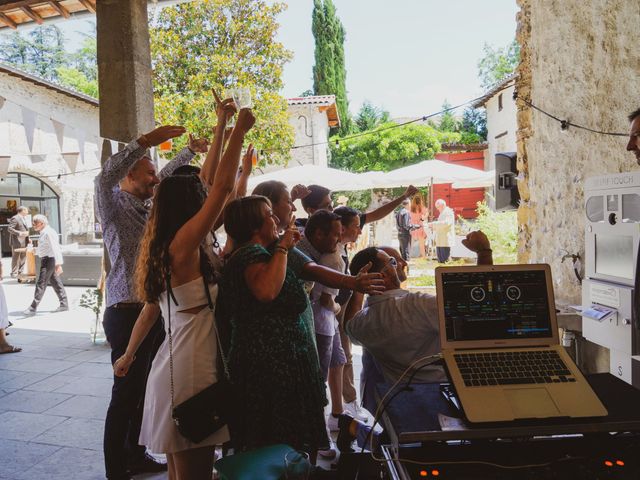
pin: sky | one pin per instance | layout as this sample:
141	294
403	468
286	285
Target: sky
406	56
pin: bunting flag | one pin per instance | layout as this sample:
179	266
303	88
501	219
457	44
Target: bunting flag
58	127
4	165
38	158
29	123
71	159
114	147
81	139
2	100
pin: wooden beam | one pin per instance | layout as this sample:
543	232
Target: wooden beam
19	4
88	5
59	8
10	23
33	15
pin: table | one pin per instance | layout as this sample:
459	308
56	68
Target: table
411	420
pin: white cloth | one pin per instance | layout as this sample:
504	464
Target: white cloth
195	352
445	228
397	328
4	311
48	245
324	319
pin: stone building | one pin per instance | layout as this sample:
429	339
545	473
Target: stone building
49	154
579	62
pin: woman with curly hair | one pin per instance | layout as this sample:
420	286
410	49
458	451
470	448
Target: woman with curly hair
174	253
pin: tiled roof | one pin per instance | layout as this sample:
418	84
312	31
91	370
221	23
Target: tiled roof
485	98
27	77
325	100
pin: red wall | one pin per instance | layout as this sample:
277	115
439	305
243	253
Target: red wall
462	200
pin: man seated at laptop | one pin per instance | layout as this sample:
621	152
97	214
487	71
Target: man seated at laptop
398	327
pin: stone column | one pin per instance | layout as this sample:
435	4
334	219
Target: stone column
124	69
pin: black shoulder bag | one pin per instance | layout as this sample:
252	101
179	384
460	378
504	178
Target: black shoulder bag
209	410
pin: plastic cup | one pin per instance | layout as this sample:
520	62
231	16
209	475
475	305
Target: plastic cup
297	465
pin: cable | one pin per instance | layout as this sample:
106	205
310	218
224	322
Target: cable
565	124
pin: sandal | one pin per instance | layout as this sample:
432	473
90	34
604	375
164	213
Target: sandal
12	349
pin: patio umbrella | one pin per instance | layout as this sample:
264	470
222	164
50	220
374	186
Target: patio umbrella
313	175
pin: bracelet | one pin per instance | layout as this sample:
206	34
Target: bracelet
143	142
282	250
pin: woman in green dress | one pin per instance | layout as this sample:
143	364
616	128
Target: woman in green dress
272	357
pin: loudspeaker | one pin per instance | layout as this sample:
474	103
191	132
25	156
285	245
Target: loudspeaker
507	194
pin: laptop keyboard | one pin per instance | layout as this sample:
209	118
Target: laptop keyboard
512	368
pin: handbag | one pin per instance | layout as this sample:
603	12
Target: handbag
210	409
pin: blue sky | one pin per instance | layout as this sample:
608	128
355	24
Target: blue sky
404	55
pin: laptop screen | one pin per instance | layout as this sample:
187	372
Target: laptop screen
495	305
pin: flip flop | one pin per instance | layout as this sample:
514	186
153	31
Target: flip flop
12	350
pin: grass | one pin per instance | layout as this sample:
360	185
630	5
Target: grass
426	279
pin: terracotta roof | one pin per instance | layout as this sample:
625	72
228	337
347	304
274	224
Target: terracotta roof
324	102
27	77
464	147
493	90
14	13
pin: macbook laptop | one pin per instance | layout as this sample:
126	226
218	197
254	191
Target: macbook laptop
500	344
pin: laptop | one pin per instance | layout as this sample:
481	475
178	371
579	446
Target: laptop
500	345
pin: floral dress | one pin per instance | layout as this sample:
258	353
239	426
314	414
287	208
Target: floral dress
273	361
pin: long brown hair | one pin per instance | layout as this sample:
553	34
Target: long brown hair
176	200
416	204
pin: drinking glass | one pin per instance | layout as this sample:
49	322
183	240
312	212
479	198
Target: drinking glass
297	465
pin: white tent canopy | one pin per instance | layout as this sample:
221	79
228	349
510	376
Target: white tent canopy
427	172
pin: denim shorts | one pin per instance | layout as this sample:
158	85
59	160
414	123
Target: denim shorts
330	353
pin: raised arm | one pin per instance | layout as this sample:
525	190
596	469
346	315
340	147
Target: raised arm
147	318
371	283
191	234
381	212
265	280
224	110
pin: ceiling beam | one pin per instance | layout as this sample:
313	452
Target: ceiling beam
19	4
89	5
10	23
59	8
33	15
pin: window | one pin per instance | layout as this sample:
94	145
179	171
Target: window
500	102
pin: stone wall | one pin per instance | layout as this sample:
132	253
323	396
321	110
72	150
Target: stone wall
579	61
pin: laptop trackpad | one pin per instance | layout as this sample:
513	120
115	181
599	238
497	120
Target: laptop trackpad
531	403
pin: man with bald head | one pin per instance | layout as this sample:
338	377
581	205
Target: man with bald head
123	192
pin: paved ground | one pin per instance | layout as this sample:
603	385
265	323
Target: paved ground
54	394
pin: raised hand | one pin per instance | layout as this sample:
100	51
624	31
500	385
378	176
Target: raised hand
161	134
246	120
198	145
291	235
225	110
247	163
298	192
477	241
371	283
410	191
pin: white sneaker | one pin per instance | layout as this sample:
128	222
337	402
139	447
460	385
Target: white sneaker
356	411
332	423
330	453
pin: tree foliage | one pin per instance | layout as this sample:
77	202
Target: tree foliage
501	228
497	63
448	121
221	44
389	148
329	73
474	121
42	53
370	117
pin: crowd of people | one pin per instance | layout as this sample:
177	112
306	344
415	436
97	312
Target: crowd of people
265	311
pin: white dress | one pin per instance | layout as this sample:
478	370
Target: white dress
4	311
195	352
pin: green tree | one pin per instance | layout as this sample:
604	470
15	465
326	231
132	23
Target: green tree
369	117
390	147
40	52
329	73
221	44
474	121
448	121
497	63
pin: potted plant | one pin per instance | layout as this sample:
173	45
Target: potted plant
92	299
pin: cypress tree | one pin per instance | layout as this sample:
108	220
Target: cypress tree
329	74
